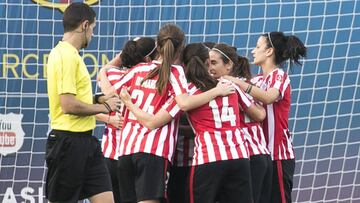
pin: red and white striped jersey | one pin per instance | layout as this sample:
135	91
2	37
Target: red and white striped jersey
137	138
184	151
217	129
254	135
275	125
111	137
253	132
115	74
110	142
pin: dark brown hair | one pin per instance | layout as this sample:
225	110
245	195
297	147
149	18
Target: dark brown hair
286	47
241	67
135	51
194	58
75	14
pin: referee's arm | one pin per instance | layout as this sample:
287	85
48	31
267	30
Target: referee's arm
70	105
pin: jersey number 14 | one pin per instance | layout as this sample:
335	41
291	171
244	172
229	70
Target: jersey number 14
227	113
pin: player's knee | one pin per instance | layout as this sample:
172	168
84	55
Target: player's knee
104	197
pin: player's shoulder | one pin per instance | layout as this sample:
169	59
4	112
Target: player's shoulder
177	67
192	89
191	85
143	66
257	77
280	75
59	55
279	71
114	70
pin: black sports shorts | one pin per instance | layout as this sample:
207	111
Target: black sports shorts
178	185
142	177
76	167
227	181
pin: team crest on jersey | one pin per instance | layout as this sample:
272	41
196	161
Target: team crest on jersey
62	4
279	78
11	133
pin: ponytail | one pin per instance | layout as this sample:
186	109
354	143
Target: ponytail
295	49
285	47
168	54
170	39
241	68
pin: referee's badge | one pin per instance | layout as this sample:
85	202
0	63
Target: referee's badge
11	133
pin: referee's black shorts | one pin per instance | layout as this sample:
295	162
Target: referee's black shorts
76	168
